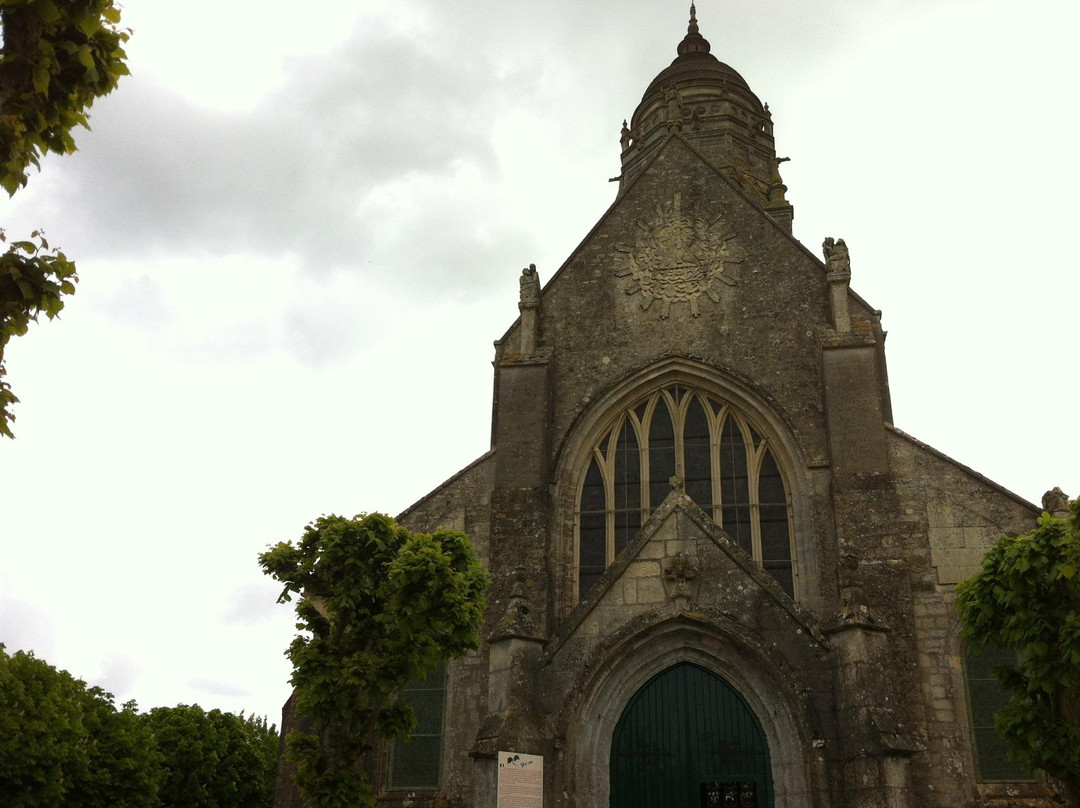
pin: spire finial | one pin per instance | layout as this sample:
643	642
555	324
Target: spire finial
693	42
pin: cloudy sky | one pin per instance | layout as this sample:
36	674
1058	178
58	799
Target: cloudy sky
299	231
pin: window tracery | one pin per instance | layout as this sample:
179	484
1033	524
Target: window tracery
728	469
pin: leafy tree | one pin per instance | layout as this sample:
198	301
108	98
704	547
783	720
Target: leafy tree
124	765
213	759
62	743
1027	598
56	58
379	606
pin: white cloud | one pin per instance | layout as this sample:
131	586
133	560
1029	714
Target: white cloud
299	234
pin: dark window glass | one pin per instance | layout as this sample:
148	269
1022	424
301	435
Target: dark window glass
781	571
661	454
593	543
770	483
985	697
734	485
416	763
592	493
586	581
697	455
775	545
627	487
592	530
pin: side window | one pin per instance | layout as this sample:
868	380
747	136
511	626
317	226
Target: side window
416	763
985	697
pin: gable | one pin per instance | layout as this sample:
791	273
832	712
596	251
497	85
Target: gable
686	264
681	562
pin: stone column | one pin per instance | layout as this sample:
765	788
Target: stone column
876	747
519	592
515	647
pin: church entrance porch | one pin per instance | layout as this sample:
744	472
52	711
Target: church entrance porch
688	739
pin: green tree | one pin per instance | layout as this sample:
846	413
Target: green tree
378	606
213	759
62	743
1027	598
56	58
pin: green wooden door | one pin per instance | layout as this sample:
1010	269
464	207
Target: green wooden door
687	739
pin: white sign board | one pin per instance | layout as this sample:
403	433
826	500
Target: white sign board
521	780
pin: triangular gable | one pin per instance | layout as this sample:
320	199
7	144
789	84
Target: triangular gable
640	177
678	505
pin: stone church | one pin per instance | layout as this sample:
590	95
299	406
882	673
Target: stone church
720	574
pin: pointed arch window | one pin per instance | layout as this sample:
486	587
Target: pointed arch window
728	469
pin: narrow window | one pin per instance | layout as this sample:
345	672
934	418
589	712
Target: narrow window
735	485
697	456
773	516
985	697
661	454
627	487
593	530
416	763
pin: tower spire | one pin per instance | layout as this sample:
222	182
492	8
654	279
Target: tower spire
693	42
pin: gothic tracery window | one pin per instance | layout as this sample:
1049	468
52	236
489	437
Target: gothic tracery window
727	467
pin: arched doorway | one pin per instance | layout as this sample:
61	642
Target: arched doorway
688	739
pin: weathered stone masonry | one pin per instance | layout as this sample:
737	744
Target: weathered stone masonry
826	608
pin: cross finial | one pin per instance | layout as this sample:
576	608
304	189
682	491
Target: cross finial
692	28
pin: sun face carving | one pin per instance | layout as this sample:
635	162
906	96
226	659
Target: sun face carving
679	257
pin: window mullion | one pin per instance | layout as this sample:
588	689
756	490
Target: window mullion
609	493
753	472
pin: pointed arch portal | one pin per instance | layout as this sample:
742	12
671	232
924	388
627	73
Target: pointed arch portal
688	739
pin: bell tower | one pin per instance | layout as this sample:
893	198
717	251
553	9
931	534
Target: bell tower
710	106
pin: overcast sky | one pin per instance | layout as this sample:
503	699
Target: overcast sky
298	235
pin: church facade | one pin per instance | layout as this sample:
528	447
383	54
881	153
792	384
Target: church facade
720	574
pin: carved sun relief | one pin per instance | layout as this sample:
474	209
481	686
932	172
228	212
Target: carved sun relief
679	257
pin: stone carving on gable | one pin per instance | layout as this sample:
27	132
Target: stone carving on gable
680	571
679	257
836	256
529	288
1056	502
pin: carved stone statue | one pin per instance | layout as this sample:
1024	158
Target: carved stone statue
530	288
624	138
1055	502
836	255
674	106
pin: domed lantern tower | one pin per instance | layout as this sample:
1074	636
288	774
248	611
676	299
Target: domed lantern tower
713	108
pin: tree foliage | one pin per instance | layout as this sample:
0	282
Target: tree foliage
56	58
213	759
1027	598
63	743
378	606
